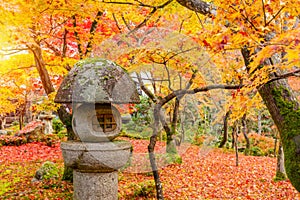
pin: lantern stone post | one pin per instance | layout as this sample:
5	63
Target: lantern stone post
92	86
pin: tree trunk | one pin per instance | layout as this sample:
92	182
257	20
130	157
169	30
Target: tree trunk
280	170
2	122
225	131
244	124
259	128
284	109
158	185
41	68
235	133
171	146
48	87
233	136
21	121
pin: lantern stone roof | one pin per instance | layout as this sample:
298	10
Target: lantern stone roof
97	80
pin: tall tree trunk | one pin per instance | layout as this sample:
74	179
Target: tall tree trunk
21	121
284	109
41	68
233	136
259	128
235	133
225	130
158	185
171	146
280	170
275	143
244	124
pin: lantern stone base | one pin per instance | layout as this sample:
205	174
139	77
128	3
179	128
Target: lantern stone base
95	165
92	186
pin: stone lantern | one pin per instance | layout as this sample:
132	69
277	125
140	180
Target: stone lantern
92	86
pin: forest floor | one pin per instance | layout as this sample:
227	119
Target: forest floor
205	173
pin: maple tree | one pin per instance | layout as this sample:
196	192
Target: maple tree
261	31
260	35
56	33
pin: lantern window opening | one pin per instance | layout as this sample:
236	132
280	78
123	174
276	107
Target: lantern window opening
104	121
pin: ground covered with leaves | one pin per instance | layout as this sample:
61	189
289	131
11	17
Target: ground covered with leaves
205	173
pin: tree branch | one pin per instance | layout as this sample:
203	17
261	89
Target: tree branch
64	47
145	89
199	6
283	76
274	16
77	38
141	4
196	90
92	32
117	23
148	17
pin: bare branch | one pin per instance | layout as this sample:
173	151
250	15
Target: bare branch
197	90
275	16
141	4
128	3
283	76
64	47
264	11
245	18
117	23
54	49
189	84
145	89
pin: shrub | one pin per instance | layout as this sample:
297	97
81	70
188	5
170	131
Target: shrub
57	125
9	140
264	146
62	134
49	139
144	189
256	151
199	139
47	171
280	176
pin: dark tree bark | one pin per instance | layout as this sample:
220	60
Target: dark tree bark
41	68
233	136
225	130
275	143
92	33
159	118
235	133
158	185
244	125
284	109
